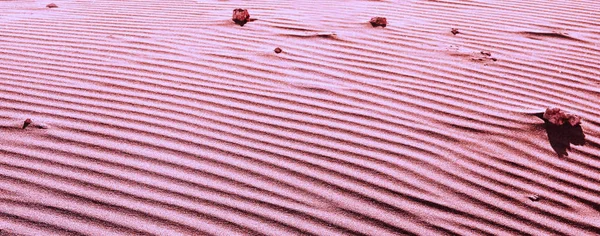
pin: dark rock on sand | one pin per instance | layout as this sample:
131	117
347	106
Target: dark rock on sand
240	16
454	31
483	56
378	21
558	117
534	198
278	50
563	129
26	123
29	123
51	5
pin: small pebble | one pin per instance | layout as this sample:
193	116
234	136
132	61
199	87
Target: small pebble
486	53
51	5
454	31
534	198
240	16
26	123
378	21
278	50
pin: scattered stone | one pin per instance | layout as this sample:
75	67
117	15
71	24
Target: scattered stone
378	21
534	198
558	117
240	16
454	31
51	5
29	123
483	56
26	123
278	50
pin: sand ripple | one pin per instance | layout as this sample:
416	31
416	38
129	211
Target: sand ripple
166	118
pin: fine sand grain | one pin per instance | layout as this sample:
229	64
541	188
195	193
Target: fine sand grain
166	118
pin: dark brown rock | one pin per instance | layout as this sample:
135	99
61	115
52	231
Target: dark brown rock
454	31
558	117
240	16
51	5
26	123
563	130
378	21
278	50
486	53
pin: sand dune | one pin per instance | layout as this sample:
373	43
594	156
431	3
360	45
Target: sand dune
166	118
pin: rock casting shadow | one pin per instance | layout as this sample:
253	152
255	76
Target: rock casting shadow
562	136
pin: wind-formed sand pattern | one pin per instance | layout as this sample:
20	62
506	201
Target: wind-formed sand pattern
167	118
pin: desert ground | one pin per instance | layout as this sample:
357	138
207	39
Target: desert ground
166	117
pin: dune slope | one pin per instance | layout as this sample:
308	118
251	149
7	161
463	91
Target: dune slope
166	118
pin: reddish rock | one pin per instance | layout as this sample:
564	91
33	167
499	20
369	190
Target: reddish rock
26	123
558	117
378	21
240	16
454	31
278	50
51	5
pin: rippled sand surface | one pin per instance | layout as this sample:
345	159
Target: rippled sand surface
166	118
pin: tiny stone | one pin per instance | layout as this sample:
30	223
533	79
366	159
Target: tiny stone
278	50
454	31
378	21
534	198
51	5
494	59
26	123
486	53
240	16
